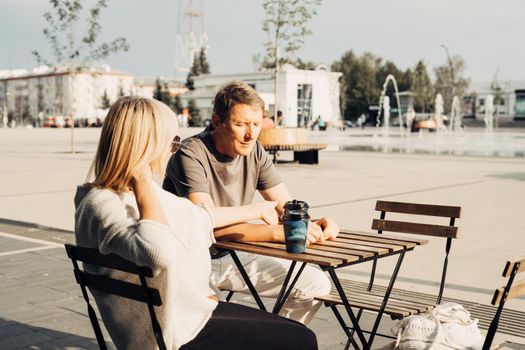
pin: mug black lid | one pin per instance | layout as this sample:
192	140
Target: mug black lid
296	205
296	215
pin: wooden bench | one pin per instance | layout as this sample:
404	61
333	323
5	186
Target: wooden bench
370	297
291	139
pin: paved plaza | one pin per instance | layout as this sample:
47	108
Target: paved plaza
41	306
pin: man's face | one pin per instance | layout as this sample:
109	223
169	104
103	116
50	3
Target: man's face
240	130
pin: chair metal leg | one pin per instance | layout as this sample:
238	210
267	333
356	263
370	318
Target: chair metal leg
385	299
348	308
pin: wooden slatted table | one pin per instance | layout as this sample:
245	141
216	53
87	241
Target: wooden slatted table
349	248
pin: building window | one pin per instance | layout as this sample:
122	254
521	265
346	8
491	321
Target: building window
304	105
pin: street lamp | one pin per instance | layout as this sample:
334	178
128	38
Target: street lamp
451	67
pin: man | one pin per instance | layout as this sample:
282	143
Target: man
224	166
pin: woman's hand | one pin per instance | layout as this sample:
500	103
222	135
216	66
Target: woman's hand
267	212
141	176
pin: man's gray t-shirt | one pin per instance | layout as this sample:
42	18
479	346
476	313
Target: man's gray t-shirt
199	167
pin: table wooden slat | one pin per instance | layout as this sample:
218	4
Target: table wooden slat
279	253
378	241
312	250
359	253
369	243
350	245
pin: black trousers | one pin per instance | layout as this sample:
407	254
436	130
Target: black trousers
237	327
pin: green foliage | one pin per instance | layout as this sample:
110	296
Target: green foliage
176	105
422	87
194	111
200	66
359	86
162	92
306	65
105	103
120	92
450	81
61	21
285	24
362	81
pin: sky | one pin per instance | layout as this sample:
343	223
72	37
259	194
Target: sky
486	33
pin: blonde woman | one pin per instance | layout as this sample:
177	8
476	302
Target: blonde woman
122	210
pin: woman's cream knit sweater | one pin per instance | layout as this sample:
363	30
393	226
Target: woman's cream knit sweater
178	254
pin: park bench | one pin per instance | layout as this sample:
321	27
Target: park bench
369	297
138	292
290	139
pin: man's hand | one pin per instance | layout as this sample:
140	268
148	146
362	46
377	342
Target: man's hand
329	228
267	212
315	233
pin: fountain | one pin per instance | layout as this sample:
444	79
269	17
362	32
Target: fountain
386	115
455	115
438	112
386	106
489	113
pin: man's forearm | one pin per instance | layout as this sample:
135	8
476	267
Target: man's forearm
246	232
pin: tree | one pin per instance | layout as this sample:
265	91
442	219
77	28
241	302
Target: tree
204	66
196	119
306	65
359	85
450	82
120	92
157	92
60	33
162	92
61	37
497	88
285	24
176	104
200	66
422	87
105	104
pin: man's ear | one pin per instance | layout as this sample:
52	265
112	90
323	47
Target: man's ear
216	121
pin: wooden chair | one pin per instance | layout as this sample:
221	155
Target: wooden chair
139	292
501	295
399	305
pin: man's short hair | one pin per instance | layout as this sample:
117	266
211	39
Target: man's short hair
232	94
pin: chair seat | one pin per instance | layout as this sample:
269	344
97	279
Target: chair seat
400	304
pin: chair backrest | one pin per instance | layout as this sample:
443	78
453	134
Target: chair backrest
138	292
501	295
446	231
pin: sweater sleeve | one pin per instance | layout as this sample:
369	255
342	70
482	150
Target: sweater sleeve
106	221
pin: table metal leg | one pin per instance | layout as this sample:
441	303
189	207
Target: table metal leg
385	299
348	308
247	280
281	299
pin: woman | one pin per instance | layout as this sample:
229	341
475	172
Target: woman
123	211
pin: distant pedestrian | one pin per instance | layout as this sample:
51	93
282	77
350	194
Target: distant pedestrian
267	123
321	124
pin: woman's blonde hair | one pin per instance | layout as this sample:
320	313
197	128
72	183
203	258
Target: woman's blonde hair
136	132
